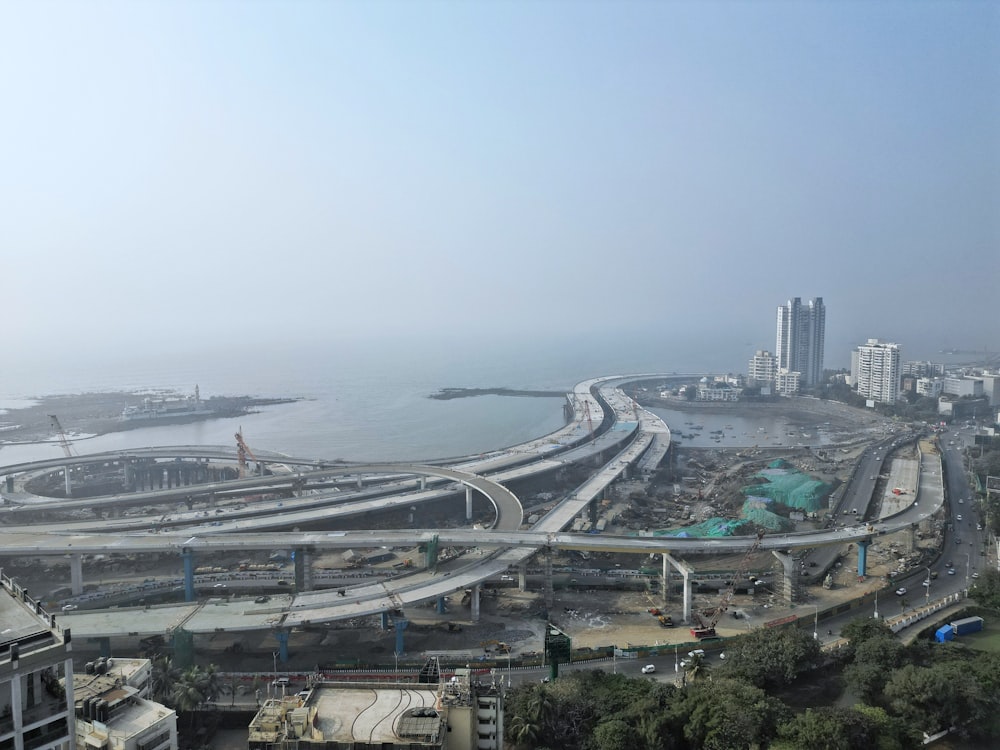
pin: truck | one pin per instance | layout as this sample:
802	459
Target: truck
967	625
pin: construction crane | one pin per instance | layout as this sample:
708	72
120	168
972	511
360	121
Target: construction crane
707	629
590	423
242	451
63	440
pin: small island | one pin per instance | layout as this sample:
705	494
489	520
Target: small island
446	394
93	414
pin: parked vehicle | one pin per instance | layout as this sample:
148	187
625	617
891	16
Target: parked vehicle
649	669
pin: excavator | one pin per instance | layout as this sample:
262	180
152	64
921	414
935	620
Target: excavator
706	629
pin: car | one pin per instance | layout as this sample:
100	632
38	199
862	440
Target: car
648	669
948	564
220	585
925	583
280	682
975	575
872	478
958	541
901	591
979	527
69	607
262	600
958	517
697	652
960	501
951	571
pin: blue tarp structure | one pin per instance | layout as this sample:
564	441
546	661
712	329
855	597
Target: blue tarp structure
944	633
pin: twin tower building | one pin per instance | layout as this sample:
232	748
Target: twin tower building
799	344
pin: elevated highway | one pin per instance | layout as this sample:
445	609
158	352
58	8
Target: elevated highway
625	427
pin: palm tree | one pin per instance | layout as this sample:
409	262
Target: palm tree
697	669
163	677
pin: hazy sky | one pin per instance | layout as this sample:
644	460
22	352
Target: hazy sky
499	168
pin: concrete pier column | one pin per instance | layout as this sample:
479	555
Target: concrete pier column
282	637
360	483
665	579
550	598
76	573
468	503
303	569
187	555
686	614
475	602
440	605
69	487
16	699
790	581
384	620
9	482
522	577
863	558
401	625
423	483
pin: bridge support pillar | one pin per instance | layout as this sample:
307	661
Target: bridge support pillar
665	579
440	605
863	557
69	487
282	637
550	599
789	581
522	577
103	644
303	569
9	482
686	613
474	604
187	555
468	503
76	573
360	484
400	624
384	620
423	483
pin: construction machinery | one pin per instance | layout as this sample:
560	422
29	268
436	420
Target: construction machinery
498	646
63	440
706	629
242	451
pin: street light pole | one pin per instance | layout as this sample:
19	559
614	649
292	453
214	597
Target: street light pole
274	670
876	604
967	563
928	587
815	622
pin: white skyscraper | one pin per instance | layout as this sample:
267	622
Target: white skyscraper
878	371
801	339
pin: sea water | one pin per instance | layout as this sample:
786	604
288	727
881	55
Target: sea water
359	401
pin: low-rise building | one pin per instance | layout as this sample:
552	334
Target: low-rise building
930	387
457	713
36	674
112	712
787	383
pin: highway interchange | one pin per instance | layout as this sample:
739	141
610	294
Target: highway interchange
627	433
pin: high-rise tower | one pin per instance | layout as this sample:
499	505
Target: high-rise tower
801	339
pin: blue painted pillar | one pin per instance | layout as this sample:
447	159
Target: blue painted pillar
187	554
282	638
440	605
863	558
384	620
400	624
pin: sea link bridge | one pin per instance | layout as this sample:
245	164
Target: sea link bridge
626	438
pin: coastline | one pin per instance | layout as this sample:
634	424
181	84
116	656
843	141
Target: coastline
84	416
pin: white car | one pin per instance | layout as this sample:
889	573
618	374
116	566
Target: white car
900	591
649	669
697	652
958	517
951	571
69	607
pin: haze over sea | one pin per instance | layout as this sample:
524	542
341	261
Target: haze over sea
361	400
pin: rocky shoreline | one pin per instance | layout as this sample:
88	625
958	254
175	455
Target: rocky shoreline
100	414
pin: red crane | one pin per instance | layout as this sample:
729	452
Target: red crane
242	451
